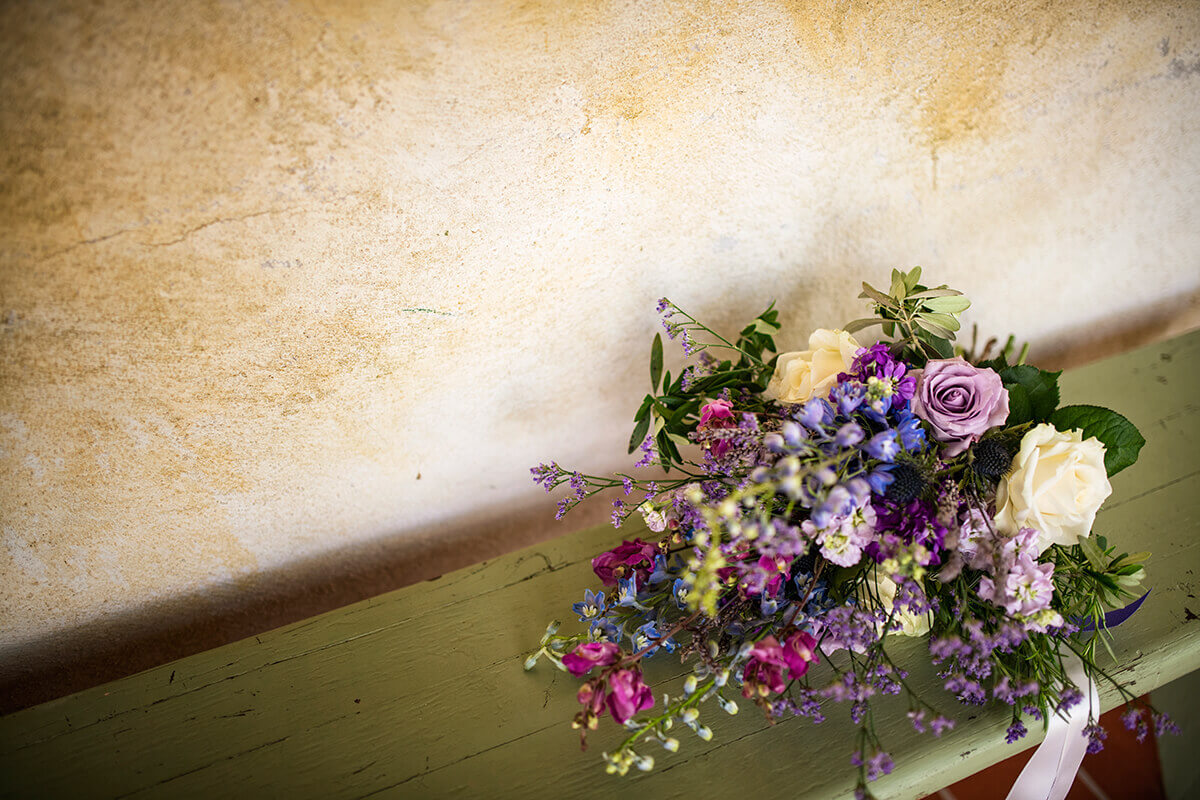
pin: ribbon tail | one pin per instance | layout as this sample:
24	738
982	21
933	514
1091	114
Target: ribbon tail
1052	769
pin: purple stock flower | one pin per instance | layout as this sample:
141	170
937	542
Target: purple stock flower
627	695
583	658
636	557
763	673
959	401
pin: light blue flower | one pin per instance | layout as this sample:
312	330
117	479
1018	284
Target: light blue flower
591	607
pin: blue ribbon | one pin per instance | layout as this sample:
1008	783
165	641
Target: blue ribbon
1114	618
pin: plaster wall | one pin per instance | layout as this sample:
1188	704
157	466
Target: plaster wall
293	294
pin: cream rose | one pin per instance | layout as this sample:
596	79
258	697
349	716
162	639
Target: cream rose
812	372
1056	486
910	624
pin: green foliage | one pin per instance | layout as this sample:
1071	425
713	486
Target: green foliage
926	318
1122	441
670	412
1032	393
656	362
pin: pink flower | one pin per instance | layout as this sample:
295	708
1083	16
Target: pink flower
959	401
763	673
580	661
799	651
627	695
717	415
637	556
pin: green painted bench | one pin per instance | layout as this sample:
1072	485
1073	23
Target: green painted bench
420	692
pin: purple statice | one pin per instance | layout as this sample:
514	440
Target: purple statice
1095	736
578	485
939	725
563	506
1015	731
849	627
649	452
1069	697
618	513
626	485
731	444
546	475
1163	724
879	765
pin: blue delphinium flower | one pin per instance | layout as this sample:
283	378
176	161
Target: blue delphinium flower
660	572
605	630
679	591
627	593
883	446
591	607
641	638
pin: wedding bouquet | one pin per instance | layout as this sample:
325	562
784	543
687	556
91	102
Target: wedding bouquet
815	504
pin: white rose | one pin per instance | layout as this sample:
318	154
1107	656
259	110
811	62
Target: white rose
910	624
812	372
1056	486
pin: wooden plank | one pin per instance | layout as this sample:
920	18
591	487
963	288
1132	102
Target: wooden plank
420	693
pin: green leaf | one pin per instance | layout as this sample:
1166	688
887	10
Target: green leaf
667	381
680	441
899	289
935	293
912	278
948	305
937	330
944	348
1020	408
859	324
765	326
639	433
1039	388
1121	439
946	321
1094	556
872	293
656	359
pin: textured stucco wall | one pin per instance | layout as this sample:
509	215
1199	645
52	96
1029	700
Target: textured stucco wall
290	293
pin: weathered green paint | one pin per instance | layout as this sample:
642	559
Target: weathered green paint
420	692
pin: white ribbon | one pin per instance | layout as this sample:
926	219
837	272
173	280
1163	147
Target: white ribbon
1051	771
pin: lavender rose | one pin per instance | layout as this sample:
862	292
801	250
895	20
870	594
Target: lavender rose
959	401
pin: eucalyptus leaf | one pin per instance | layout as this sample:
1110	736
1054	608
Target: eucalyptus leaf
934	328
943	320
935	293
1122	440
876	295
913	278
859	324
948	305
656	361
